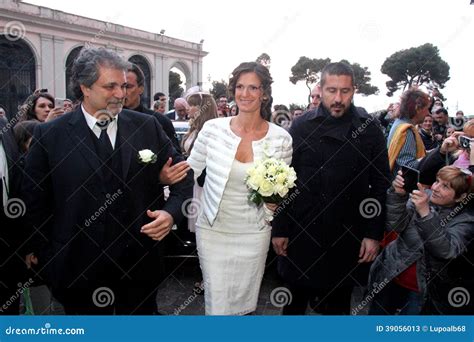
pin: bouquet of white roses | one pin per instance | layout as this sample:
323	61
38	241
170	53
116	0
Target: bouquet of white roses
269	180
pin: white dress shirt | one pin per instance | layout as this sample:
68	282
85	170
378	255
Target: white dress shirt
111	129
4	173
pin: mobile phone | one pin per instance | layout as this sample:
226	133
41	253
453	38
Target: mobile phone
59	102
411	178
465	142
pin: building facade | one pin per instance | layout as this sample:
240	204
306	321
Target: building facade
38	46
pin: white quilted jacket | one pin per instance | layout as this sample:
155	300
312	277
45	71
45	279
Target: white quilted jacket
215	149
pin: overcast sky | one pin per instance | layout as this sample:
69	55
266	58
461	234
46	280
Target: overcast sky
361	31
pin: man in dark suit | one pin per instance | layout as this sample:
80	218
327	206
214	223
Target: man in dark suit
135	88
180	112
92	195
12	237
335	220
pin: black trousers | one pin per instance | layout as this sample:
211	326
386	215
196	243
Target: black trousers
118	299
9	301
127	287
336	301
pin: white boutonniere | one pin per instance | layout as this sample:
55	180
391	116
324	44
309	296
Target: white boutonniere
146	156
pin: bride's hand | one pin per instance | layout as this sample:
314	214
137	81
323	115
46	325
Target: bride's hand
271	206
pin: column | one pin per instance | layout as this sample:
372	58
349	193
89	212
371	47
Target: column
47	63
59	68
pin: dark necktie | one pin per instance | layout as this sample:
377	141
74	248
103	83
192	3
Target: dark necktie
105	146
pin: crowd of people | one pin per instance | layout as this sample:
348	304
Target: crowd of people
382	200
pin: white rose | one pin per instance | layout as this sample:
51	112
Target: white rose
253	182
281	190
146	156
272	170
281	178
266	189
291	178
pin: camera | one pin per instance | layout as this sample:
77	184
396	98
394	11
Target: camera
465	142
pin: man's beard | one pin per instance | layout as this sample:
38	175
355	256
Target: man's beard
343	110
115	107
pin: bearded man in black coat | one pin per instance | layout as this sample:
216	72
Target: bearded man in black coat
335	217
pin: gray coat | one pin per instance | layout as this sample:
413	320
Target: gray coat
432	241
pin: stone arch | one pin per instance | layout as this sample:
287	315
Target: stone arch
71	56
144	64
185	68
17	72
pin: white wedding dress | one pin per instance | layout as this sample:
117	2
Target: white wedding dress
232	252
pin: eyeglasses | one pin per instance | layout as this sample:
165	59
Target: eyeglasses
250	88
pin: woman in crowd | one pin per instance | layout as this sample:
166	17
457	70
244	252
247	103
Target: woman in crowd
426	133
202	107
234	110
436	231
405	145
232	234
40	107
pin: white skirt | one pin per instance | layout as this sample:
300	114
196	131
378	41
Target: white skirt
232	266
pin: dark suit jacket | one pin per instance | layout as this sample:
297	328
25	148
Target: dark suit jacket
12	233
67	200
171	115
165	122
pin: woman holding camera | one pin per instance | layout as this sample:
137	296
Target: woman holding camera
40	107
436	229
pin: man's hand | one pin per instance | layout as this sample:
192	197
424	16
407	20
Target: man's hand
280	244
421	201
368	250
170	175
160	226
31	259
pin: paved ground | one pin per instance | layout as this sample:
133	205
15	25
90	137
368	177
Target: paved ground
178	296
